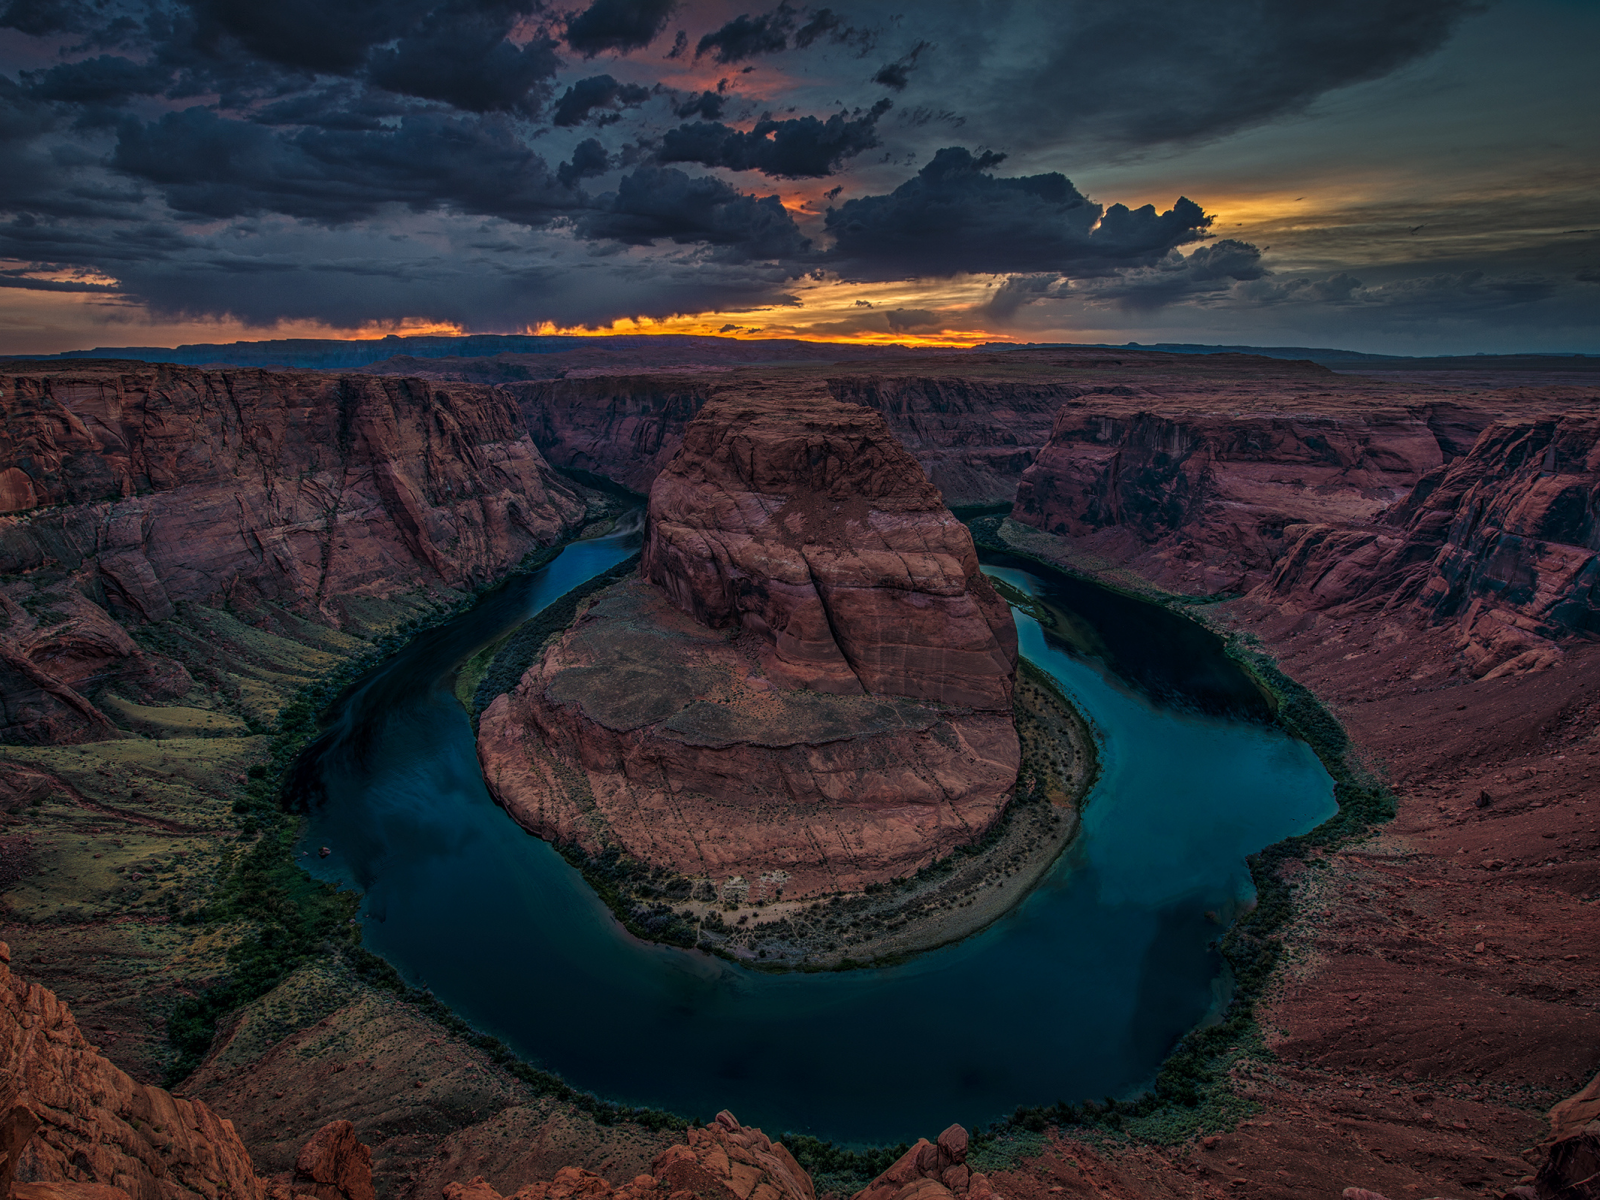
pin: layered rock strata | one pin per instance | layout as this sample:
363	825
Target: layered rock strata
973	437
810	687
1200	500
1502	542
133	489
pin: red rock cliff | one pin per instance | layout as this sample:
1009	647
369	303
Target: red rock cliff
1502	541
136	488
1198	498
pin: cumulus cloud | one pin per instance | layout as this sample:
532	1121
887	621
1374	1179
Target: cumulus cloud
898	73
211	166
598	91
589	158
707	105
746	36
954	216
618	25
795	149
656	203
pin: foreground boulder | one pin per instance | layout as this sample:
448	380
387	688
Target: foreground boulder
808	691
74	1121
931	1171
723	1161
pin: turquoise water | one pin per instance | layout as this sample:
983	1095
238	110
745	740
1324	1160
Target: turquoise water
1079	992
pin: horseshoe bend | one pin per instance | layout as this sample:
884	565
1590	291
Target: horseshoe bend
807	689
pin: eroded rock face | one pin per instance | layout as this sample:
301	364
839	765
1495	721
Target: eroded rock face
810	688
174	484
1502	541
814	528
1199	500
96	1125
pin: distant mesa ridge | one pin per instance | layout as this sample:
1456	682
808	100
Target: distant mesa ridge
345	354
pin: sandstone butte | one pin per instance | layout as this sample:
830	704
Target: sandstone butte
75	1127
140	488
808	687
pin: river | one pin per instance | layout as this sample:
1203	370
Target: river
1079	992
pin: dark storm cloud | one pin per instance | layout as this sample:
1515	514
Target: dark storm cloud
746	36
211	166
40	18
657	203
598	91
1127	73
708	105
1209	270
464	59
618	25
954	216
311	35
898	73
803	148
589	158
108	79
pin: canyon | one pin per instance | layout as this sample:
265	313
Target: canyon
187	548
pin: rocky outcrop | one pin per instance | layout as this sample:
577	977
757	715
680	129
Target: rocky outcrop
1502	542
727	1161
333	1165
1199	500
96	1125
133	489
811	526
809	691
931	1171
723	1161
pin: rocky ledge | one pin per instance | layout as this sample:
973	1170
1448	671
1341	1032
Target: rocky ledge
808	691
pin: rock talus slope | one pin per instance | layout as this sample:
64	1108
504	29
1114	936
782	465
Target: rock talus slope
811	683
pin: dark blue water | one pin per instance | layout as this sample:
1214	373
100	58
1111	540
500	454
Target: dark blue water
1080	992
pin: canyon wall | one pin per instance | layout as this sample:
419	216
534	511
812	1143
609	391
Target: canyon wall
811	680
1502	542
133	489
1198	499
973	437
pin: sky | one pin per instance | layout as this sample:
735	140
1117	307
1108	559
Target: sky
1396	176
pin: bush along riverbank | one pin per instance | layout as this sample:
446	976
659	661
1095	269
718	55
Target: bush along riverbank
1193	1093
